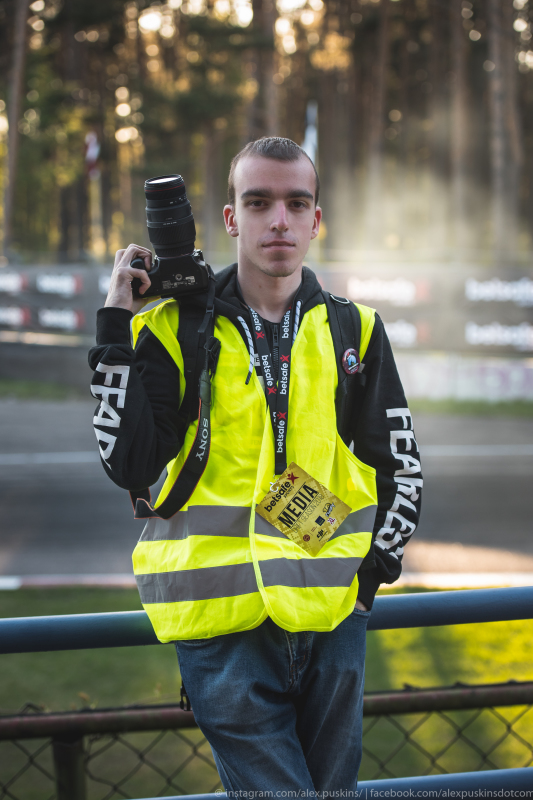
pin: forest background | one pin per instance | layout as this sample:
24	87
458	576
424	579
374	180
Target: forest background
423	110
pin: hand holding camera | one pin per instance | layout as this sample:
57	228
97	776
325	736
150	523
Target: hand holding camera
124	273
178	268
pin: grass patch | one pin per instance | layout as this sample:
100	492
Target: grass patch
476	408
39	390
78	678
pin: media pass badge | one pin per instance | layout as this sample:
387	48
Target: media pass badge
303	509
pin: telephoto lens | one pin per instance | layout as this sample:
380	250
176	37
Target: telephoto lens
169	216
178	268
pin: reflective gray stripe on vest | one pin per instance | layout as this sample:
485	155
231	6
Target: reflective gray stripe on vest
265	527
199	521
197	584
234	521
304	573
237	579
360	521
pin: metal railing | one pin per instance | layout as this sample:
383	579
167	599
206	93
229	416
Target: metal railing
422	728
129	628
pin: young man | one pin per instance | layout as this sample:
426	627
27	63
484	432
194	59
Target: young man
270	639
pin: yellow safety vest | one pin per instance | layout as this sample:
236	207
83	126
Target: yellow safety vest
215	567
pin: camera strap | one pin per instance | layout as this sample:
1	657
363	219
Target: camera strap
198	456
277	393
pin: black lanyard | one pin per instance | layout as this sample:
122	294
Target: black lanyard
277	395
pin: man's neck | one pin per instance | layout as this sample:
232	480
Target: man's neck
267	295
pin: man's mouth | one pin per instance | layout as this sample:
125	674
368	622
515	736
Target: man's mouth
279	244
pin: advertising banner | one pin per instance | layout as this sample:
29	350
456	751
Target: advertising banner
468	309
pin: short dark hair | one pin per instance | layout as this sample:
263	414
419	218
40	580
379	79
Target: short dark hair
273	147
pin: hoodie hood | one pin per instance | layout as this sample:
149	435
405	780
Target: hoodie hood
228	301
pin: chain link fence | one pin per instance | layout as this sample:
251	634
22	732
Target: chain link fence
438	742
156	751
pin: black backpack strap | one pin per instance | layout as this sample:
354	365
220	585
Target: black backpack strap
200	350
345	325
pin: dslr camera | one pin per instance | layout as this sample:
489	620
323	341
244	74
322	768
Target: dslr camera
178	268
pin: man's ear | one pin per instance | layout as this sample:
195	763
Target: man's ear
230	221
316	222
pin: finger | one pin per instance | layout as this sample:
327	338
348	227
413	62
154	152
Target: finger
137	252
118	256
124	276
131	252
142	275
145	281
137	249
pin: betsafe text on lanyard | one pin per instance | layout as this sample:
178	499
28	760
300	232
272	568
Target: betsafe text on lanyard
277	394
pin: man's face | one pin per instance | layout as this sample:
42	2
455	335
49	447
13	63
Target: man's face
274	216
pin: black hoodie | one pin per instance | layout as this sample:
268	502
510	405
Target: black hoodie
146	439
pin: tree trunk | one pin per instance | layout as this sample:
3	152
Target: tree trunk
514	133
262	112
65	204
16	83
337	182
211	216
326	150
497	129
459	131
404	177
73	200
81	241
107	208
373	222
439	137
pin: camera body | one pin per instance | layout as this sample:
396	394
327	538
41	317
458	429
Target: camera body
174	276
178	268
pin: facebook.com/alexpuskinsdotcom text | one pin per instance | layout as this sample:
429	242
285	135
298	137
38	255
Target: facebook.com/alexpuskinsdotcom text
370	794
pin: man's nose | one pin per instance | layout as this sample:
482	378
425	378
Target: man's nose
280	221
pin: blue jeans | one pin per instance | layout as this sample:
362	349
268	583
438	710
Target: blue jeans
282	711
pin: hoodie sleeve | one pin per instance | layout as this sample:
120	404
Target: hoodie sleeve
136	421
384	438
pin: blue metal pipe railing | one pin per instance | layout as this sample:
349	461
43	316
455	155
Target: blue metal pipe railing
501	780
130	628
